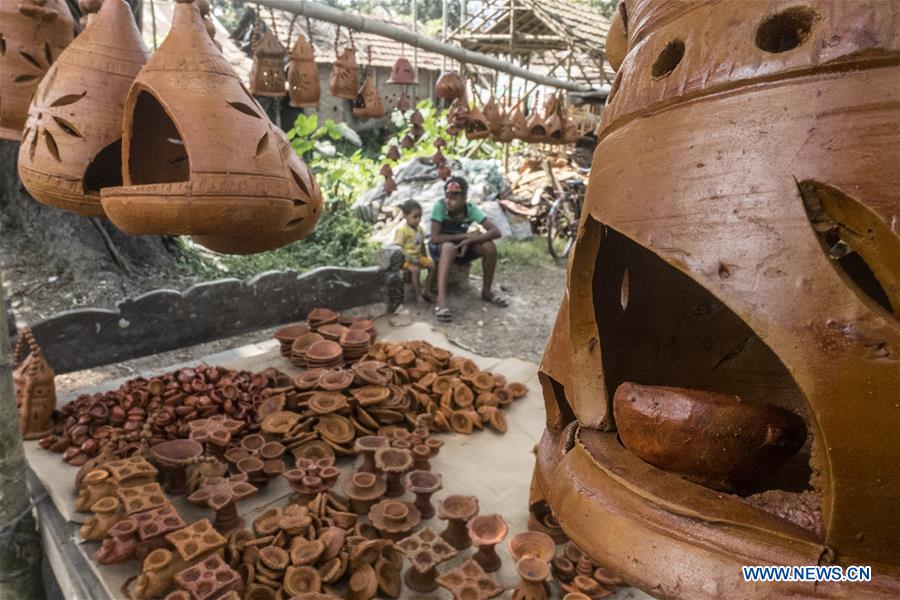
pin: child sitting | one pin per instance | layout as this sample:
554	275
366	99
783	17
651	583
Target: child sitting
411	238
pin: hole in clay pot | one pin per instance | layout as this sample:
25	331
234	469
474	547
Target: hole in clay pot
48	53
156	146
558	393
223	576
67	99
786	30
676	333
263	144
2	45
51	144
31	60
859	245
191	575
204	588
299	181
105	170
668	59
190	548
244	108
67	127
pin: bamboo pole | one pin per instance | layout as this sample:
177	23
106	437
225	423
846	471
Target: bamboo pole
321	12
20	545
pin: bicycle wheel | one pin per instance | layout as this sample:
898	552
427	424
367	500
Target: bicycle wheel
562	227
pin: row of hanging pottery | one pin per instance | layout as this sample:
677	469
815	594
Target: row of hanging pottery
34	32
142	152
553	126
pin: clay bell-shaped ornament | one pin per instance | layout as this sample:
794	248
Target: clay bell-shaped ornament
267	72
450	85
303	75
504	130
368	102
35	388
344	81
33	33
493	115
518	124
402	73
72	143
537	129
477	125
200	157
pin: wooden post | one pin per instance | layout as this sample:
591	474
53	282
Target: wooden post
20	545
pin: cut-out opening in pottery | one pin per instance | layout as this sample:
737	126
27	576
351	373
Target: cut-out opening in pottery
104	170
786	30
668	59
157	153
676	333
555	390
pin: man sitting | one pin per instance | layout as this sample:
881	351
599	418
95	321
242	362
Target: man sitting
452	243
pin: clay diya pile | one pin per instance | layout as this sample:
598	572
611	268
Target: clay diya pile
162	407
577	573
348	339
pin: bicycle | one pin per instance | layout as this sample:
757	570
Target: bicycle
564	214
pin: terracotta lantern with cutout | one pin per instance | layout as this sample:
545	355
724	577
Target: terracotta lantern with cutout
477	127
344	81
493	115
722	382
33	379
303	75
536	129
33	33
267	71
72	143
450	86
402	73
368	102
518	124
200	157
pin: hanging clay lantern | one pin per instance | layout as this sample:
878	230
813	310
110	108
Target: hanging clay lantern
201	158
72	143
570	132
518	124
402	73
504	131
476	125
403	103
368	102
386	171
390	186
493	115
694	319
458	113
267	72
303	75
34	32
537	130
35	389
450	85
438	158
553	129
407	142
344	80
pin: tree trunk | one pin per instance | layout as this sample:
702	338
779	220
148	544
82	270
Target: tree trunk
84	246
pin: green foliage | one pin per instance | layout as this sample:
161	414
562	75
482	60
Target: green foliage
531	252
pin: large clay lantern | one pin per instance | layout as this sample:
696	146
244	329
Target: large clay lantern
200	158
72	145
343	82
368	103
303	75
33	33
402	73
734	294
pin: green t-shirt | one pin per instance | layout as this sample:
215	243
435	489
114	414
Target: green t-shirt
473	215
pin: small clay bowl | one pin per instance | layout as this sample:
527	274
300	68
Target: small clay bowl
531	543
323	352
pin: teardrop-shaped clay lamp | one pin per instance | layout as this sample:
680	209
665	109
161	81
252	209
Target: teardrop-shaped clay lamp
363	490
304	88
33	36
267	71
200	157
72	147
344	80
402	73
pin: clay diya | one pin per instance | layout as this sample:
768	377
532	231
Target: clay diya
215	432
363	584
726	444
486	531
367	446
324	355
323	403
142	497
363	489
96	485
469	582
534	573
222	495
393	462
158	572
311	477
394	519
152	527
531	544
423	484
120	544
321	316
287	334
174	456
107	512
301	580
457	510
300	345
277	424
424	452
209	579
425	551
260	460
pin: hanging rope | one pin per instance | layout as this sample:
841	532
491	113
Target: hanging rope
291	32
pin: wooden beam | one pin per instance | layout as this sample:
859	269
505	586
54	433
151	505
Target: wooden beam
315	10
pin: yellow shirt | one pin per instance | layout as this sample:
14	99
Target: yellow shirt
410	240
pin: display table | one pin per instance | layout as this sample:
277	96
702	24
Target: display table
494	467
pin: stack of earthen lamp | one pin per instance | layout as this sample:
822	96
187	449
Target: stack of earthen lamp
218	436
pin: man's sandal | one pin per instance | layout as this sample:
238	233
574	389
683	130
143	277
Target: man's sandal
496	300
443	314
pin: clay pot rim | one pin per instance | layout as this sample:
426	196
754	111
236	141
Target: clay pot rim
288	333
436	482
527	565
175	453
395	465
487	529
543	545
452	506
323	351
